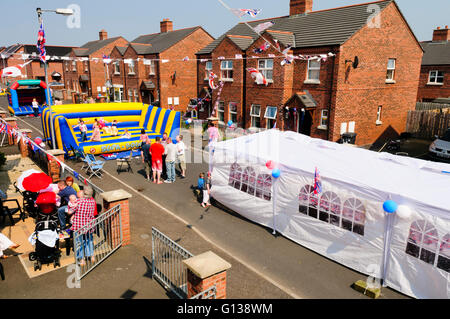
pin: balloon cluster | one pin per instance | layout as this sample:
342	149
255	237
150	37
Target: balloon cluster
275	170
188	121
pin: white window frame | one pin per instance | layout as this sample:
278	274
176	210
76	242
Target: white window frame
116	68
130	95
136	95
152	69
226	70
379	112
390	73
67	66
323	119
86	66
265	69
221	103
230	113
436	76
74	66
255	116
208	69
310	68
131	68
270	118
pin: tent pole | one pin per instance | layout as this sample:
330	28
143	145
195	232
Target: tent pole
274	205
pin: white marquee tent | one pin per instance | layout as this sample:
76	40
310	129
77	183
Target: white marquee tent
345	222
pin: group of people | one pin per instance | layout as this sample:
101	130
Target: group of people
160	157
98	126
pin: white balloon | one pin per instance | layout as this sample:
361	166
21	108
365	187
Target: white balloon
404	212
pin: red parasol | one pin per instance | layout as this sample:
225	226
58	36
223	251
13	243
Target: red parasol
36	181
46	202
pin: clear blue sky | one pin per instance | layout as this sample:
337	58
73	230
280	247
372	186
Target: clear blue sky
132	18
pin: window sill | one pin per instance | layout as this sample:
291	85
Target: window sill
390	82
311	82
115	73
436	84
132	73
322	127
227	80
378	123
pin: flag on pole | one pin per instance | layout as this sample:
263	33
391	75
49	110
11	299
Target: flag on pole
41	43
258	76
242	12
262	48
317	183
262	26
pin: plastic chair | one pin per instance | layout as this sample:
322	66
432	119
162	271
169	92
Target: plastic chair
94	167
6	211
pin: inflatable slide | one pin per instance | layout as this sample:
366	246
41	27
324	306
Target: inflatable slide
130	116
21	94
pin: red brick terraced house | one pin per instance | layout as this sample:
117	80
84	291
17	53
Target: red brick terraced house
85	73
434	83
151	68
366	88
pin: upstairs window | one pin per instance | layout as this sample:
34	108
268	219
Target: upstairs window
266	69
390	75
131	67
74	66
208	69
226	68
436	77
313	71
86	66
116	68
152	67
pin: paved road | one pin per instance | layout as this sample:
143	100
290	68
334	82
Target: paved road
269	260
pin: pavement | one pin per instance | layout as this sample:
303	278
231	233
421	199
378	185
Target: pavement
263	266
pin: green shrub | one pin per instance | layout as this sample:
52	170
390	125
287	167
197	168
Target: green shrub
2	159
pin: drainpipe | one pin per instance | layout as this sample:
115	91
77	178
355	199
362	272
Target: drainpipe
244	91
331	94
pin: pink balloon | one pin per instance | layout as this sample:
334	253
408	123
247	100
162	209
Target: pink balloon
270	165
38	140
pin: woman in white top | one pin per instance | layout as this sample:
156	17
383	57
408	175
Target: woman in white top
181	149
35	105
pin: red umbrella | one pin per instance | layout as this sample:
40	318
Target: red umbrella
36	181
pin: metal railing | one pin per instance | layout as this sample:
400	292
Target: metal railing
97	240
209	293
167	265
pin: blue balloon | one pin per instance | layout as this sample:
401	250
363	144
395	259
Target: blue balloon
276	173
390	206
187	122
230	123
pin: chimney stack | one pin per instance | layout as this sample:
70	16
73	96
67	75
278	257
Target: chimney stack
103	35
166	25
440	35
300	7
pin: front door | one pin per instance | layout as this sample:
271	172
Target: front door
304	123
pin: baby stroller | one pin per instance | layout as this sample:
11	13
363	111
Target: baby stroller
46	203
46	241
29	198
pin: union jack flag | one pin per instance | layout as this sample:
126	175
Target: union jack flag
317	183
242	12
2	127
106	59
41	43
212	76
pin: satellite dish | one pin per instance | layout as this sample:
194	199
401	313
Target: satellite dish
356	62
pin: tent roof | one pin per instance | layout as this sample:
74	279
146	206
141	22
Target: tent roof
420	181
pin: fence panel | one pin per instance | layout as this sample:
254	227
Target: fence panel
96	241
167	265
429	106
427	124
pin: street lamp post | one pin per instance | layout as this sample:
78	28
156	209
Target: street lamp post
66	12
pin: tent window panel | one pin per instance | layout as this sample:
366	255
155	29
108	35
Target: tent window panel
263	187
330	208
303	199
444	254
413	250
248	181
423	241
353	216
235	176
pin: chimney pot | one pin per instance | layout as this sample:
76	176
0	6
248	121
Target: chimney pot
103	35
300	6
441	35
166	25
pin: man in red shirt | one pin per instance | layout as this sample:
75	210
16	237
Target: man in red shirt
157	150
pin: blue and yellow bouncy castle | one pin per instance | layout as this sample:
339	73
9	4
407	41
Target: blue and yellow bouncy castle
21	94
131	116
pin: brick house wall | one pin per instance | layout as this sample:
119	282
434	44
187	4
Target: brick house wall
202	83
428	92
117	79
132	81
360	91
184	85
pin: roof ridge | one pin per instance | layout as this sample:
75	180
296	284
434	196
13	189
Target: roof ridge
279	31
239	36
352	5
144	35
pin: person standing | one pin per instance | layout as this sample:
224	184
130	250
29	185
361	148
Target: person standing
147	158
83	130
96	135
164	144
156	151
171	155
206	191
181	150
35	105
213	132
84	215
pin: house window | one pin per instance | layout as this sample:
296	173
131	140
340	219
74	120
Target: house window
232	112
423	241
221	111
208	68
131	67
235	176
86	68
152	68
67	66
323	119
436	77
248	181
255	114
444	254
266	68
391	70
271	116
308	201
226	68
313	71
136	96
380	109
130	95
74	66
353	216
330	208
116	68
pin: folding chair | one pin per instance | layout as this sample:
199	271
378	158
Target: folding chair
2	273
121	162
94	167
6	211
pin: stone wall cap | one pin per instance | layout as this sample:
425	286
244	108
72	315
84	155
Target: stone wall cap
56	152
2	112
25	130
114	196
207	264
10	119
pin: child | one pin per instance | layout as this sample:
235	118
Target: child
83	129
96	135
126	134
72	206
206	191
102	126
143	137
114	129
